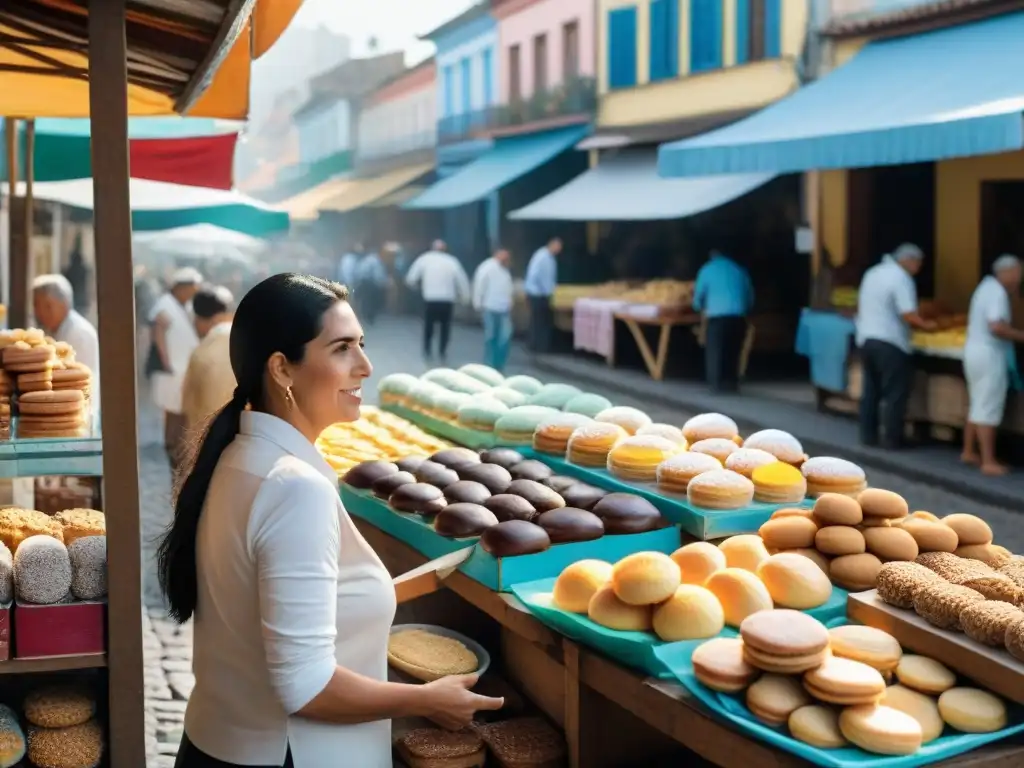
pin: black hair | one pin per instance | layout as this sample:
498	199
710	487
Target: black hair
211	300
280	314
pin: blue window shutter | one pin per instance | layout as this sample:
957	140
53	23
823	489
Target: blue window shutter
772	29
449	90
664	39
742	31
705	35
488	76
467	85
622	48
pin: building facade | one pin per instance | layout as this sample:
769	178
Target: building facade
547	62
400	118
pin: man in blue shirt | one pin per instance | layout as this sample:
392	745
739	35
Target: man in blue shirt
724	295
539	286
372	281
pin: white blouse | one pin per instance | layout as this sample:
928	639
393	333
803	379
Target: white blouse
288	589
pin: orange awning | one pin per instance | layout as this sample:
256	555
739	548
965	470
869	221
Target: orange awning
58	86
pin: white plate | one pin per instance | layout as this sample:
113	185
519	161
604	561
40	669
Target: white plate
478	650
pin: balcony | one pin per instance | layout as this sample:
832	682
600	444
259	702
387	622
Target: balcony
576	97
469	125
372	149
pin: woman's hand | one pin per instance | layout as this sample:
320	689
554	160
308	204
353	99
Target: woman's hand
450	703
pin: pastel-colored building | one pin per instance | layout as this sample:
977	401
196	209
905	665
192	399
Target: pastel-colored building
400	117
671	60
544	44
467	75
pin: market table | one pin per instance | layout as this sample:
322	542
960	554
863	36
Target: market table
655	361
581	690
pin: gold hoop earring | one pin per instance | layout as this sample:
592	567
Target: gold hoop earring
288	397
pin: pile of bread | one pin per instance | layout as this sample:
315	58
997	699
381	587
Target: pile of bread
851	537
47	560
62	729
829	687
376	435
517	506
521	742
985	601
692	594
50	390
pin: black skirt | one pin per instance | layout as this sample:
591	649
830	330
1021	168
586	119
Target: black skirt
190	756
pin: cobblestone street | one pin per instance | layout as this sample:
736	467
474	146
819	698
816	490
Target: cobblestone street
168	648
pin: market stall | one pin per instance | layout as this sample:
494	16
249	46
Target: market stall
201	60
609	570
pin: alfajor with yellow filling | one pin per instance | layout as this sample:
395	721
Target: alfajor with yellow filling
637	458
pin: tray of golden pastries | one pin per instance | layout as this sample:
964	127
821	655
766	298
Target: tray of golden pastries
427	652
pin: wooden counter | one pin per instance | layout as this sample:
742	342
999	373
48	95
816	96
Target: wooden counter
643	720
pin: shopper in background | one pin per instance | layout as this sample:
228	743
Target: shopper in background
348	264
724	295
372	281
174	341
493	295
990	358
887	310
539	286
209	381
442	281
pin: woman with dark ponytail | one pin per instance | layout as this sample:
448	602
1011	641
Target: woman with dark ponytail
292	608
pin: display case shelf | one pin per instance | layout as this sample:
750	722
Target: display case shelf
33	457
53	664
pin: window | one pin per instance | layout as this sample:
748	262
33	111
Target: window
705	35
488	66
467	85
449	90
540	63
664	52
758	31
515	83
622	48
570	51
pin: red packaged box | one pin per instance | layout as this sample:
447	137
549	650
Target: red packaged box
5	631
65	629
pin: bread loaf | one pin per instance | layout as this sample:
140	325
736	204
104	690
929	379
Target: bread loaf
12	738
89	567
6	575
42	571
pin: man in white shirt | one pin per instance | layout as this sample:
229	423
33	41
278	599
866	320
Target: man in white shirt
988	354
53	301
174	341
539	286
442	281
886	311
493	296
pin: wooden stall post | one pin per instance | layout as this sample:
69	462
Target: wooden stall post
108	108
19	233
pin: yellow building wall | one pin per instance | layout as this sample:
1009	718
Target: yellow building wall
958	220
832	216
734	87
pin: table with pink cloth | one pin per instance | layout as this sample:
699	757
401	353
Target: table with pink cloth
593	323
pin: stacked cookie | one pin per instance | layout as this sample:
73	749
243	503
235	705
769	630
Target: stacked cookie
830	687
52	413
6	390
62	727
961	595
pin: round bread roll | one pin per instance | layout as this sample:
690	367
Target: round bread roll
838	540
7	574
698	560
746	551
692	613
836	509
970	529
608	611
890	544
88	557
931	536
740	593
577	584
794	581
42	570
876	502
855	572
792	512
926	516
645	578
12	738
989	554
80	746
790	532
59	706
813	555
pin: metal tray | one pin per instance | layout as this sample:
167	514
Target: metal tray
481	653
